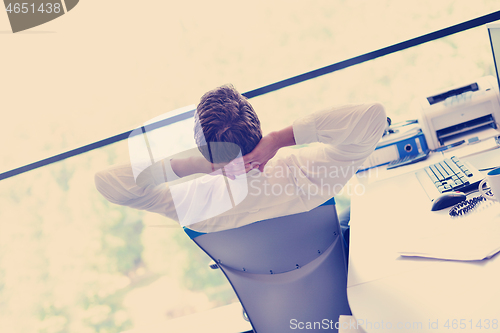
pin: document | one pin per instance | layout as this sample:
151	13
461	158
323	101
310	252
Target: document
486	141
471	237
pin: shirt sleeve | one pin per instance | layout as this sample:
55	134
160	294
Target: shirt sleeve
117	185
352	129
347	136
342	126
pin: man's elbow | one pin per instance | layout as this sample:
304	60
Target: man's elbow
378	113
104	187
378	118
100	182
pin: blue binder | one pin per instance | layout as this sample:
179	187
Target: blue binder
396	146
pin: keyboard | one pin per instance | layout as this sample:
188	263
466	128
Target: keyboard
450	174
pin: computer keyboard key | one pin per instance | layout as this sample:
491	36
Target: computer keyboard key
445	174
436	172
451	165
444	188
431	175
441	170
455	168
447	169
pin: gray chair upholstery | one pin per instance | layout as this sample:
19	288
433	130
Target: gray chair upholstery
284	270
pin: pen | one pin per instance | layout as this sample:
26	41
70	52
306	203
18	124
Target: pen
455	144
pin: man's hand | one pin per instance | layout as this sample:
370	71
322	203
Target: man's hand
231	170
262	153
267	148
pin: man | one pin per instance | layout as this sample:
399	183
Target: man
226	126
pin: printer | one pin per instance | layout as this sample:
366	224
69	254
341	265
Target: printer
459	111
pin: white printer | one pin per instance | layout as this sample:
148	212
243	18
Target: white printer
461	110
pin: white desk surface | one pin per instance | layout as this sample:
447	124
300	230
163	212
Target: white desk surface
389	293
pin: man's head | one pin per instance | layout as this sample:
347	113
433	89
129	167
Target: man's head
224	115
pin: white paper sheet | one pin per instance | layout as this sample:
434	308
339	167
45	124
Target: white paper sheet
474	236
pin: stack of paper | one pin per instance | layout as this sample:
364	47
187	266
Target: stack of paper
475	236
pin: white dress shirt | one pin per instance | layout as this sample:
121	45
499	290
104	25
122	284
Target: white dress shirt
296	180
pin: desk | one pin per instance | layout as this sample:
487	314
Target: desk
389	293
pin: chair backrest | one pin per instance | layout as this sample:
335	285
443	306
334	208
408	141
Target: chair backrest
285	270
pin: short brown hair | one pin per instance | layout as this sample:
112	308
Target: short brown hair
224	115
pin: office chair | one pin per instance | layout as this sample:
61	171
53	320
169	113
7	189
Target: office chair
284	270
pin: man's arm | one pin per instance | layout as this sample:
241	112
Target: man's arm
354	130
184	167
168	169
197	164
150	191
268	147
